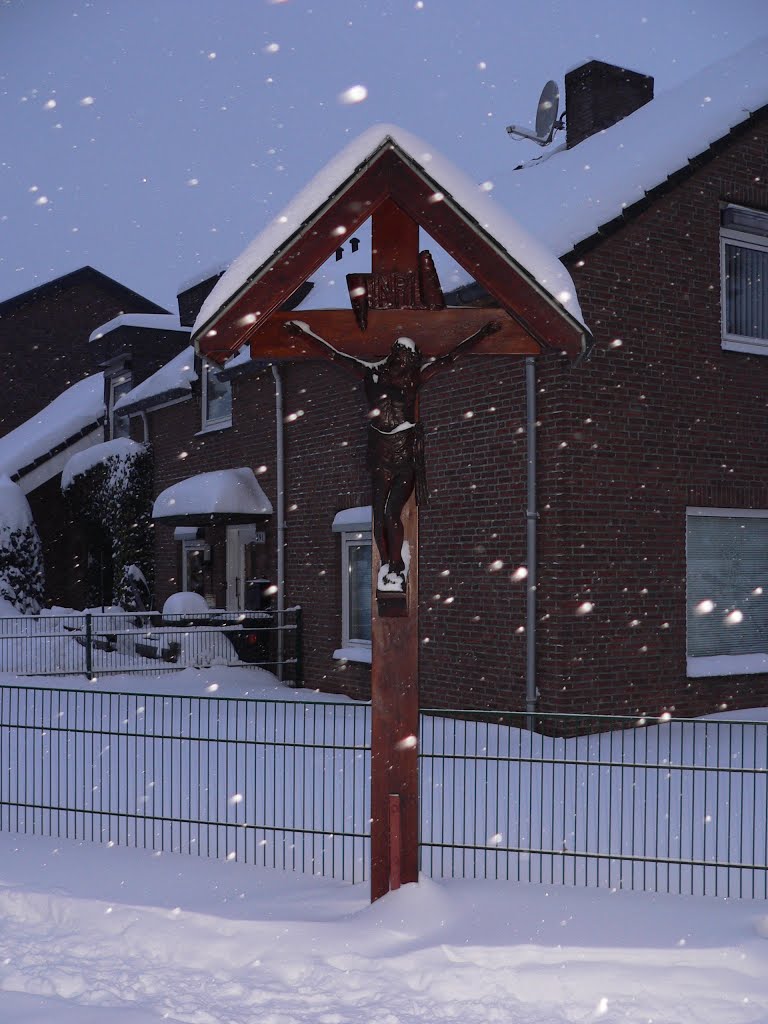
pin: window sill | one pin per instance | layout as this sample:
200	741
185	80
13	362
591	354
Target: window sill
361	654
752	346
727	665
211	428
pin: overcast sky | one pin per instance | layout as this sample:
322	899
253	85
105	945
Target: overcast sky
153	139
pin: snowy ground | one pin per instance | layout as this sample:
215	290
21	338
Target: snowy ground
84	928
92	932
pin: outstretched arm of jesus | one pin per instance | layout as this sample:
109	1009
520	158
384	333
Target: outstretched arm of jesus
301	330
430	369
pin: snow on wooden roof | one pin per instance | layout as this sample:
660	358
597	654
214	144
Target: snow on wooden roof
500	230
171	381
232	495
74	411
565	197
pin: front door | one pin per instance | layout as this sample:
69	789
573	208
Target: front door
245	567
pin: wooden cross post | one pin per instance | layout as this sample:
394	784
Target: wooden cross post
395	643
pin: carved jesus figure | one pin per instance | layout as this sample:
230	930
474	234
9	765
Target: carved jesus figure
395	455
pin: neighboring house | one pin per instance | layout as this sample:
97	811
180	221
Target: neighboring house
67	377
651	507
44	337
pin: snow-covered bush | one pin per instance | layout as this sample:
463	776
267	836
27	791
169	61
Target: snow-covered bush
22	578
109	488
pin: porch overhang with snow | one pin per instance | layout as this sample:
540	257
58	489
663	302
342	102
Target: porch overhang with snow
398	182
225	497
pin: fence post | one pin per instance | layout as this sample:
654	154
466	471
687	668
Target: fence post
299	681
89	647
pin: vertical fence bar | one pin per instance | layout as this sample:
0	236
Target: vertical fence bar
89	647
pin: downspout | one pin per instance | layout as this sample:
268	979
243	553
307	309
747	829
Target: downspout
280	461
531	517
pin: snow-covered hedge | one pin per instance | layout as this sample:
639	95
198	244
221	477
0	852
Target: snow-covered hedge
109	488
22	579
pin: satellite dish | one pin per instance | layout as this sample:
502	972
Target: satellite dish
546	112
546	117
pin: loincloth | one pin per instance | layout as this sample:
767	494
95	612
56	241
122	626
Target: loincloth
399	452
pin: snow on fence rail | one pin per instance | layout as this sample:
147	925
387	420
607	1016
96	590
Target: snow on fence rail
94	644
668	806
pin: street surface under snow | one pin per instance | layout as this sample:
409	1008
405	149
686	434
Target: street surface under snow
90	933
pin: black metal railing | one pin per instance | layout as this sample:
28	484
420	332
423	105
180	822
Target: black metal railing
676	806
94	644
277	783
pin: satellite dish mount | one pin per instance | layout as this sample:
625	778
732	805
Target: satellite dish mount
547	122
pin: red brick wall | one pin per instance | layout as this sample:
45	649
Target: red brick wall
626	440
673	420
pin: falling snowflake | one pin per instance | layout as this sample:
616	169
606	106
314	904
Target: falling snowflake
408	743
355	94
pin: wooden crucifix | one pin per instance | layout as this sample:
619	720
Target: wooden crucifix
404	280
397	334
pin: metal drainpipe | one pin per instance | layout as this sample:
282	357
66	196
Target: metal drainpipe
280	460
531	517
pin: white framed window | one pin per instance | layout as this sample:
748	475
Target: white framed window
354	526
744	279
727	591
217	399
119	384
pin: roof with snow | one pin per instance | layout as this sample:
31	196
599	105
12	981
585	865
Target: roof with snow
567	196
387	162
149	321
170	382
15	513
224	496
77	412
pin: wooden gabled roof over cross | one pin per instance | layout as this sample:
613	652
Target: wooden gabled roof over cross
395	180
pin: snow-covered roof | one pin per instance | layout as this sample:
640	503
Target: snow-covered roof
499	226
151	321
225	492
561	197
174	380
565	199
75	409
83	461
15	513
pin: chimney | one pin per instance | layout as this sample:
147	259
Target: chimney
597	95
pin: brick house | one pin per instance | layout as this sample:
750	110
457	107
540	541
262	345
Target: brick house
67	376
645	585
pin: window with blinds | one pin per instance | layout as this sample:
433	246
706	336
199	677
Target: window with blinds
744	270
727	582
